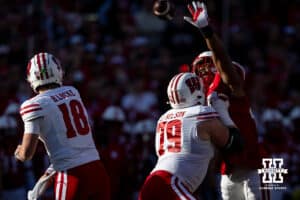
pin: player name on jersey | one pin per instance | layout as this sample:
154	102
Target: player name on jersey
63	95
175	115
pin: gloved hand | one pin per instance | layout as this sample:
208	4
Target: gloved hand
41	186
199	17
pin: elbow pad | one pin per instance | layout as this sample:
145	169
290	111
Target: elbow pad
235	142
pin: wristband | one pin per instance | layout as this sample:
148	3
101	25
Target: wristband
207	31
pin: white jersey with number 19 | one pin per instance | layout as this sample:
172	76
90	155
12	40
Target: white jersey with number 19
63	126
179	148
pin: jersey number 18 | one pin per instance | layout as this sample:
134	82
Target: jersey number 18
74	111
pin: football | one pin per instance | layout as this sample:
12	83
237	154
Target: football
164	9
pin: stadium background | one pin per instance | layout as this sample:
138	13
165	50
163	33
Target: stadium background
121	57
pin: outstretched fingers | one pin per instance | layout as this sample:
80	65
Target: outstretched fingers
190	8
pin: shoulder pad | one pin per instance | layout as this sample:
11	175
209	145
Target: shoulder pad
203	113
73	89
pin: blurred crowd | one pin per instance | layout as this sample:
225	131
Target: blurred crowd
120	57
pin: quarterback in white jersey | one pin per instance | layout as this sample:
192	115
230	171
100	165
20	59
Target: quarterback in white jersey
185	140
57	117
68	143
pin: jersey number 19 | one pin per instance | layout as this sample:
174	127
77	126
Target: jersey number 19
169	136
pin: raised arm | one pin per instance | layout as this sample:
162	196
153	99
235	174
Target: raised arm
224	65
221	58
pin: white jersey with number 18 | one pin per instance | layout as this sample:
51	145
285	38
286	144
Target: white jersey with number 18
178	146
64	126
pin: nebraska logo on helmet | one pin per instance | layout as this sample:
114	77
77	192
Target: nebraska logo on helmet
184	90
43	69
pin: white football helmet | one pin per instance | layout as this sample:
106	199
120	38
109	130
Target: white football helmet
185	90
113	113
43	69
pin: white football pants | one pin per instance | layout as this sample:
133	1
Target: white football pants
243	185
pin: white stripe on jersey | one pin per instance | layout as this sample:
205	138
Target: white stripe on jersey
180	189
64	185
58	185
61	187
30	108
187	193
207	116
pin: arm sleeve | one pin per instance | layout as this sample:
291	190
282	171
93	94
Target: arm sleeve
235	142
32	126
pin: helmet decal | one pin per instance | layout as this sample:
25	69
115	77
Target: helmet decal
42	65
193	84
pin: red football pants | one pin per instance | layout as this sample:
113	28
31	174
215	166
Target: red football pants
86	182
162	185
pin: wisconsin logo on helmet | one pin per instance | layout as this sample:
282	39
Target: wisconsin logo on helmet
42	69
184	90
194	84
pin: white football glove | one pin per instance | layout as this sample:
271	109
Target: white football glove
41	186
199	15
220	103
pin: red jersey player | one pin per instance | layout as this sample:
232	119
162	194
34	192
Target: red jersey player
225	79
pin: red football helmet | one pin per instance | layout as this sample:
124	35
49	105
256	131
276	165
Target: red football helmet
204	67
